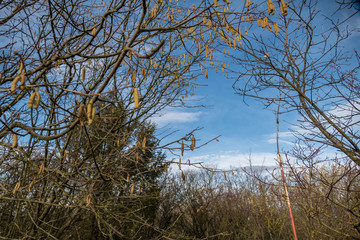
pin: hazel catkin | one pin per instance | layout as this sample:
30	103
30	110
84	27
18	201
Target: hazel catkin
37	100
136	97
31	100
15	141
82	114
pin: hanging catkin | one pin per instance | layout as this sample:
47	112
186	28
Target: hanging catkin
182	148
82	114
37	100
90	111
193	142
136	97
31	100
15	141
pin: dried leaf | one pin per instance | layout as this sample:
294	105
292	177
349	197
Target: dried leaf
41	169
88	200
132	188
17	186
31	184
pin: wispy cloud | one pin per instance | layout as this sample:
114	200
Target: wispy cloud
169	117
284	138
234	159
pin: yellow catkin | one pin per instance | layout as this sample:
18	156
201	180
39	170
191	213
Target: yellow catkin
136	97
22	80
91	119
133	76
283	8
248	3
143	145
90	108
37	100
183	176
276	28
14	83
31	100
82	114
193	143
21	67
206	73
179	163
15	141
83	74
225	176
259	22
132	188
266	20
93	32
271	7
251	18
182	148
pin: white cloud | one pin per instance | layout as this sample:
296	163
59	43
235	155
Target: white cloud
169	117
235	159
271	138
273	141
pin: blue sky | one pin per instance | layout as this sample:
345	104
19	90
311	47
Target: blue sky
247	130
244	129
